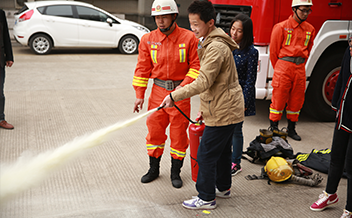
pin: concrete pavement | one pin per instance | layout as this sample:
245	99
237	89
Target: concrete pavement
52	99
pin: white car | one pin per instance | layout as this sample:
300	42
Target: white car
43	25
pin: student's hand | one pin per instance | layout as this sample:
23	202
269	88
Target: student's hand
167	102
178	87
138	105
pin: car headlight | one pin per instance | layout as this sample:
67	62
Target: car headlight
142	28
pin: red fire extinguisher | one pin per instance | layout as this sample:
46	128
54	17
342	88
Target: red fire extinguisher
195	135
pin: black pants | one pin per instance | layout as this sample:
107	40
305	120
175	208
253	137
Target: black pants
2	96
341	154
214	160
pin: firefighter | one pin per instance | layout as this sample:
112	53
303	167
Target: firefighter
168	55
290	45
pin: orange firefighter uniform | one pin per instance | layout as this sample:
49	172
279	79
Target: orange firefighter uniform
173	57
292	42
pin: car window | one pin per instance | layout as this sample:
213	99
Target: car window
91	14
41	9
23	9
59	10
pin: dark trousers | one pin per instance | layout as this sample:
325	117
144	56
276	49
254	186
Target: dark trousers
214	160
2	96
341	154
237	144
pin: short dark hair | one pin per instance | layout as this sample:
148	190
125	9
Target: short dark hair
204	9
247	25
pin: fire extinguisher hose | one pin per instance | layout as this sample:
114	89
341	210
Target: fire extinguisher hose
181	113
184	114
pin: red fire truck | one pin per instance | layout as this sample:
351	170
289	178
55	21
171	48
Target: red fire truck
332	20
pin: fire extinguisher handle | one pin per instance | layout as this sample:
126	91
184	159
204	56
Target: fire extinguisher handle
199	120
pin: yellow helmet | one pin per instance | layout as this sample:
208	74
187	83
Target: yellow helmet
278	170
301	2
162	7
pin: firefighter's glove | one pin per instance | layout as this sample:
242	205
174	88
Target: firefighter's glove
317	178
311	181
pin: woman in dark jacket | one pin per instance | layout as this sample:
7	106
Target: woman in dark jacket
246	59
341	150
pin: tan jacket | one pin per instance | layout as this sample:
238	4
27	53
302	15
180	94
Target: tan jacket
221	95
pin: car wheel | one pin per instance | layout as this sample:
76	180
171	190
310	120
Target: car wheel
321	88
41	44
128	45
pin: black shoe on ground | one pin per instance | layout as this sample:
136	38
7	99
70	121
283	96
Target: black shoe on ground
176	166
291	130
293	134
153	171
274	125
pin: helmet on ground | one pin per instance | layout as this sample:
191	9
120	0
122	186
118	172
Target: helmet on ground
301	2
278	170
162	7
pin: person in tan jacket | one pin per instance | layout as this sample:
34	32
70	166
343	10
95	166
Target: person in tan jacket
222	105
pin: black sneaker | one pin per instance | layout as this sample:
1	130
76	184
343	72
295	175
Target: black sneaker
235	169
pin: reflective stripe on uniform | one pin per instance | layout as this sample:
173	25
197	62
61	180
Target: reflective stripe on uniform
193	73
293	112
326	151
302	157
153	147
153	53
289	37
273	111
140	81
182	52
308	35
178	153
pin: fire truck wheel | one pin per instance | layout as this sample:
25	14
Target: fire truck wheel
321	88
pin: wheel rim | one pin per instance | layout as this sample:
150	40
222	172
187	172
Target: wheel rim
329	85
41	45
129	45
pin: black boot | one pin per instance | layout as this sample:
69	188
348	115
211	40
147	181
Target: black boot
291	130
274	125
153	171
175	172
